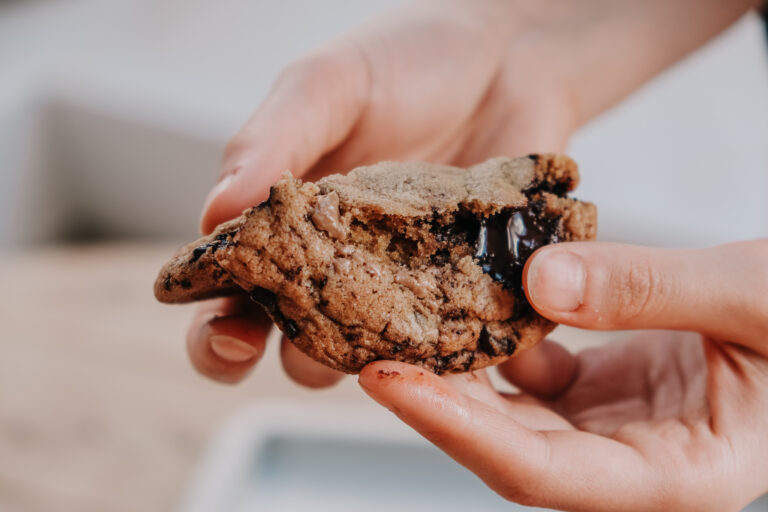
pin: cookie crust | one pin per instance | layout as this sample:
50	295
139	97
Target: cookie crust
395	260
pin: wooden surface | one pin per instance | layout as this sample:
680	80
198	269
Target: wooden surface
99	407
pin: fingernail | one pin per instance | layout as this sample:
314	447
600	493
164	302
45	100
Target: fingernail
232	349
556	281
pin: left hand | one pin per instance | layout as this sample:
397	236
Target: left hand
663	421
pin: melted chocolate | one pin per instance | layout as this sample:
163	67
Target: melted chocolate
507	239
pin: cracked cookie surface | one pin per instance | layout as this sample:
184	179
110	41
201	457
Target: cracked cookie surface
414	262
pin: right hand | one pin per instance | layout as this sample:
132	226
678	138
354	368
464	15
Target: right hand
444	81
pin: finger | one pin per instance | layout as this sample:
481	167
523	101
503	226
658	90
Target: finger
312	108
527	126
561	469
528	412
226	338
305	370
721	292
544	371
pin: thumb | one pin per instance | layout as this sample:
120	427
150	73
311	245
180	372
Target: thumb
721	292
312	108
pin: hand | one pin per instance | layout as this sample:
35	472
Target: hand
664	421
450	81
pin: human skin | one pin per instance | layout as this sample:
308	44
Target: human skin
461	81
670	419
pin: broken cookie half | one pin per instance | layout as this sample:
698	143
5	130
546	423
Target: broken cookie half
413	262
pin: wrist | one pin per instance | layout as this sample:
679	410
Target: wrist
601	51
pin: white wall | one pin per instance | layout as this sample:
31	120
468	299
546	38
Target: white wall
113	115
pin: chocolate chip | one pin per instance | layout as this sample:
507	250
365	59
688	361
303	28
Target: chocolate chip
167	283
220	241
264	298
558	188
268	300
290	328
186	284
484	343
396	348
469	361
446	361
455	314
507	239
292	273
441	257
492	346
461	230
198	252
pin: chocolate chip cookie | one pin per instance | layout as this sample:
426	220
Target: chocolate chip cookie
414	262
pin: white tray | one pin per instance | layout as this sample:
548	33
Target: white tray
294	456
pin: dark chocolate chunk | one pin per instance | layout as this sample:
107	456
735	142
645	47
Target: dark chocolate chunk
292	273
221	240
507	239
351	336
290	328
198	252
484	342
264	298
493	346
268	301
558	188
469	361
463	229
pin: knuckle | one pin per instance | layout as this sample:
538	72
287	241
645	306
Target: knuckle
527	485
308	70
519	493
639	290
235	145
750	262
761	280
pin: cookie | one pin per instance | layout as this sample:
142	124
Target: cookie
413	262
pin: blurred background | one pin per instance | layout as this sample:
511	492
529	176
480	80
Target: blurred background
113	117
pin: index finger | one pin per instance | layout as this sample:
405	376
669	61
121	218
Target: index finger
563	469
311	109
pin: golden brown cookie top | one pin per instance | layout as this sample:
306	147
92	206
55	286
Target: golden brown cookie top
415	262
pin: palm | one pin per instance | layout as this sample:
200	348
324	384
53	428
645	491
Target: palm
650	380
661	407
